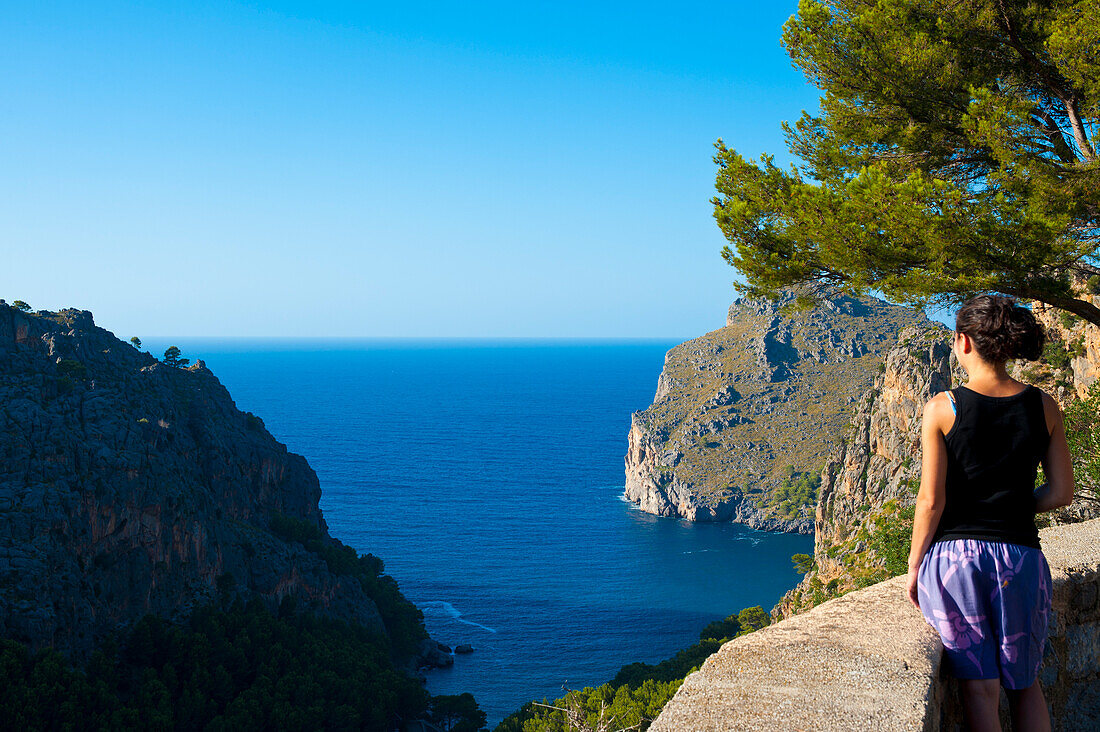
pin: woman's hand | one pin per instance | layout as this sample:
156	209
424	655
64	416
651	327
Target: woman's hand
911	588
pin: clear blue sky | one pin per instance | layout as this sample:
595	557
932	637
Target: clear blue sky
369	169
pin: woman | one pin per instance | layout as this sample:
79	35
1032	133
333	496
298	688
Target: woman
976	571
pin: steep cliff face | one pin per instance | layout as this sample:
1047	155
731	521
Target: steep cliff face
743	415
130	487
868	488
871	481
1071	364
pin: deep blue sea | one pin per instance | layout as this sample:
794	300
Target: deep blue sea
488	476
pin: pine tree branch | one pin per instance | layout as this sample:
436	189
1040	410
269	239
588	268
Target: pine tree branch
1079	134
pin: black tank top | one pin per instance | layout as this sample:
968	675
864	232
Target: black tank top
993	453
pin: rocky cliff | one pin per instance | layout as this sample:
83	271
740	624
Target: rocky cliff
128	486
1071	363
869	485
745	416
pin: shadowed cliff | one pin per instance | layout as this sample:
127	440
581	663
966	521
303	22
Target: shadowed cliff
131	487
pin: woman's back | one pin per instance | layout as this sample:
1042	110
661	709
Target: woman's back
993	452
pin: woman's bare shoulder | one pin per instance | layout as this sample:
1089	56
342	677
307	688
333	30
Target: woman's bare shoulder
938	412
1051	410
939	401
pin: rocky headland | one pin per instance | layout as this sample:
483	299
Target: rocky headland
871	480
869	484
745	417
130	487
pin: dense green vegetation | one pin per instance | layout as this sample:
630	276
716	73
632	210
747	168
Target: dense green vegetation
953	153
239	666
404	622
803	563
1082	419
233	666
636	695
456	713
796	494
891	537
71	368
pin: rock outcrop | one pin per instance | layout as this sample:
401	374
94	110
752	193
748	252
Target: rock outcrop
869	485
1072	360
744	412
128	486
873	477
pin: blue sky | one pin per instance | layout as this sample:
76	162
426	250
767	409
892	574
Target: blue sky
368	169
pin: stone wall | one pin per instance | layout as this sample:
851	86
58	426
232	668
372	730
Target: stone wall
868	660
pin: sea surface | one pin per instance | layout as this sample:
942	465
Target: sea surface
488	476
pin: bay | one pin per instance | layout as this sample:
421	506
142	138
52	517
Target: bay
487	475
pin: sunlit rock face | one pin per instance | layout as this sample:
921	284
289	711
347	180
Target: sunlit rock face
1075	344
739	408
128	487
873	477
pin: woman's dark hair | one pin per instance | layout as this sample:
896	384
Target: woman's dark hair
1001	329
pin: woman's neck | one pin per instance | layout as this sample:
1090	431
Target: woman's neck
991	379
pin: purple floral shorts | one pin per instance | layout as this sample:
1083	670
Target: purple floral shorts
989	601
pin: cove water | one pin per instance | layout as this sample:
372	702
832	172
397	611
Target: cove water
488	476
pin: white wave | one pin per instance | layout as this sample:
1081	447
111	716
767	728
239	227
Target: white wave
449	610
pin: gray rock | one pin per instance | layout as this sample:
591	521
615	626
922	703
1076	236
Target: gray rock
434	654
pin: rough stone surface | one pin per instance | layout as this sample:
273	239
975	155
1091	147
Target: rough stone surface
738	408
1080	339
868	661
863	661
128	487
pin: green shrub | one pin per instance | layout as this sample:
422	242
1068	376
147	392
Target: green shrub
752	618
803	563
891	537
721	629
797	491
1056	355
456	713
1068	320
72	369
1082	421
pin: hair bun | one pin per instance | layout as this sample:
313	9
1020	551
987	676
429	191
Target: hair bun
1025	335
1001	329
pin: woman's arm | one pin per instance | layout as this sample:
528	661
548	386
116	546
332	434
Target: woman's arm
1058	490
937	421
